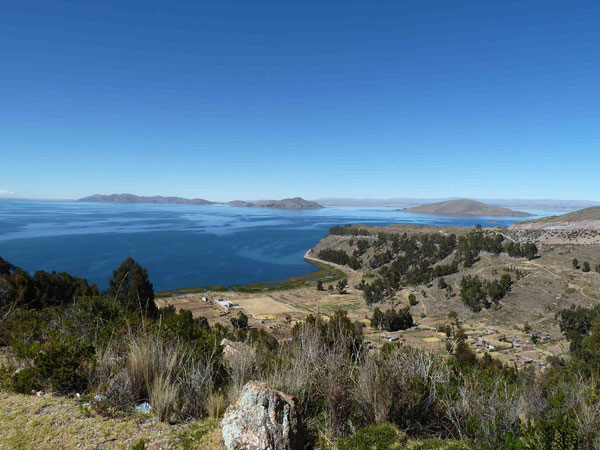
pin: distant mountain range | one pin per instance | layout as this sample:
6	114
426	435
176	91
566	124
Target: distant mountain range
466	207
286	203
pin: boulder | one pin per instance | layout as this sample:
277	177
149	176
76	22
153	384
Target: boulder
262	419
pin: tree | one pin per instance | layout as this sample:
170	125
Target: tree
131	286
575	263
586	266
392	320
320	285
341	286
240	322
377	319
412	299
442	283
530	250
6	268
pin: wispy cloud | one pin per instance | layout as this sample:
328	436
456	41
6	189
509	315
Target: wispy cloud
5	192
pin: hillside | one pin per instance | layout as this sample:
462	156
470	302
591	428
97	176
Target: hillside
155	199
466	207
587	214
578	227
286	203
541	286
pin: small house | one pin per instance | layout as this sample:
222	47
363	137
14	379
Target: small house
226	303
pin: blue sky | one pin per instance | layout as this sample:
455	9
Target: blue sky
228	99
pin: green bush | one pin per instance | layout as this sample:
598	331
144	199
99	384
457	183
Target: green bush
412	300
382	436
26	381
65	365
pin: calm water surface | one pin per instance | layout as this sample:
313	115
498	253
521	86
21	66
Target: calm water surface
184	245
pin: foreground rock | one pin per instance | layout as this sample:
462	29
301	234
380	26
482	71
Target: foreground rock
262	418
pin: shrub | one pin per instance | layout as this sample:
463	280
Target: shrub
382	436
26	381
442	283
412	300
341	286
65	365
240	322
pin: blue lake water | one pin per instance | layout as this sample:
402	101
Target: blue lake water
184	245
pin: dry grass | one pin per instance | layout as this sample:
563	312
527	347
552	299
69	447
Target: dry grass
146	367
215	405
152	363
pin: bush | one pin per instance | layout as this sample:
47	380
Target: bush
64	366
412	300
26	381
382	436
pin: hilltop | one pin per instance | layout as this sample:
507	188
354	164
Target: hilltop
466	207
286	203
155	199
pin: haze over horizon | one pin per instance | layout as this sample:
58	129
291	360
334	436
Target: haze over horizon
260	101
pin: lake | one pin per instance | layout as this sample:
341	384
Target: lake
184	245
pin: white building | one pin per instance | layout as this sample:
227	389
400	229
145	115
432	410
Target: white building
226	303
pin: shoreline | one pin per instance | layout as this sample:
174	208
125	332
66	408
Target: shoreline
325	271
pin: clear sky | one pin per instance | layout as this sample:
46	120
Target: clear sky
242	99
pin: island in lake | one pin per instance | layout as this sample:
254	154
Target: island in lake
155	199
286	203
466	207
